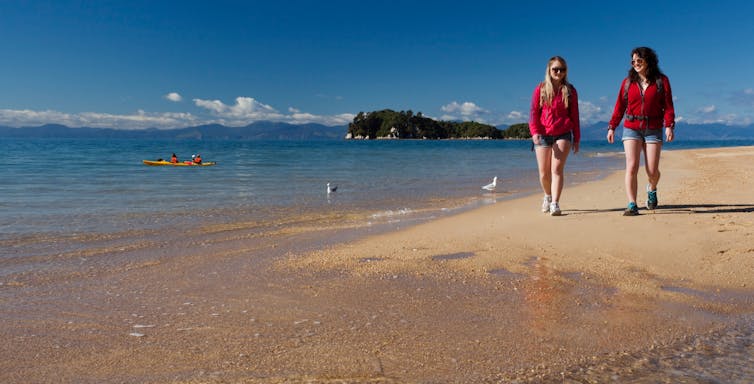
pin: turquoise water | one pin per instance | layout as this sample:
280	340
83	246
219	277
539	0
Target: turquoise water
58	196
73	186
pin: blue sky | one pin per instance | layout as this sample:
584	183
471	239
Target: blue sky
168	64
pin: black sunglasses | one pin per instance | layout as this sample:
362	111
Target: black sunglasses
558	69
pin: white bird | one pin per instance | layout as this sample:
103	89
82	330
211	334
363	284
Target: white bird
331	189
491	186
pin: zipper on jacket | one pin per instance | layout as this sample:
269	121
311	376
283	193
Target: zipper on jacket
641	92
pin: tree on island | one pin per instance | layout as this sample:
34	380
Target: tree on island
517	131
407	125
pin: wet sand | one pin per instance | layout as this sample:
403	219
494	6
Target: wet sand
497	294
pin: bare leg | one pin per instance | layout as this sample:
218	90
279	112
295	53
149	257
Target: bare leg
633	153
652	163
544	156
559	155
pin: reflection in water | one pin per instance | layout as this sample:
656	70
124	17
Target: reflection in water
725	355
543	298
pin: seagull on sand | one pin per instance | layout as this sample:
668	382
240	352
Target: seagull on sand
331	188
491	186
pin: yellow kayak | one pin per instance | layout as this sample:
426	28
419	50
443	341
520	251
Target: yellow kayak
181	164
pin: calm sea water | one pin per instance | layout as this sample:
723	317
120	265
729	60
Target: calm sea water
73	186
57	194
67	186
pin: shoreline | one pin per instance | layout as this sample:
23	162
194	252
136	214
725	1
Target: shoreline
159	199
495	293
581	202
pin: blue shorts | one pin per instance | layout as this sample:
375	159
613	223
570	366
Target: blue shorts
548	141
645	135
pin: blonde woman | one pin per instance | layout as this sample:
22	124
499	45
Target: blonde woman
555	130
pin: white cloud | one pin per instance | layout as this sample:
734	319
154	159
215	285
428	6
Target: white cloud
590	113
710	114
244	111
215	106
743	98
306	118
139	120
247	110
248	107
466	108
23	117
174	96
466	111
516	116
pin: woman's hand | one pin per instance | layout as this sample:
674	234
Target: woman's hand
669	134
536	139
575	148
611	136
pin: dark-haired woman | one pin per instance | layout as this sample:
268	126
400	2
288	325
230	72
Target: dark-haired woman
646	100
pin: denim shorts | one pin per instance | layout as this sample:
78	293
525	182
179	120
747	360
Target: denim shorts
645	135
548	141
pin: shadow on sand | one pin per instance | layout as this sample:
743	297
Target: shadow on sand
677	208
706	208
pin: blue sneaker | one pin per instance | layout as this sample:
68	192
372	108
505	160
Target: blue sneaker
651	198
632	210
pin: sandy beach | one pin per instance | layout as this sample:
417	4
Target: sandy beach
501	293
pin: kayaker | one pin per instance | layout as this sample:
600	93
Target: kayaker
174	159
197	159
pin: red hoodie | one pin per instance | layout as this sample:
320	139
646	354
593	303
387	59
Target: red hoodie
649	109
555	119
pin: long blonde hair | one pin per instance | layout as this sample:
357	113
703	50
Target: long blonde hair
546	89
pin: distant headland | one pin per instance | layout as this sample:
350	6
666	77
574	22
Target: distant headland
384	124
389	124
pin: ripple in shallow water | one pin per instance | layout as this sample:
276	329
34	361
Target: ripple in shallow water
720	356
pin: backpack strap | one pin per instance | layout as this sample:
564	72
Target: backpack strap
627	83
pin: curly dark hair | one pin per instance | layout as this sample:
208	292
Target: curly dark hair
653	64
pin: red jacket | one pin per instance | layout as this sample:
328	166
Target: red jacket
647	109
555	119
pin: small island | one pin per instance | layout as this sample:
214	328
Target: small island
389	124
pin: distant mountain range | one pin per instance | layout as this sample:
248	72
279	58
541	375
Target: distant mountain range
265	130
684	131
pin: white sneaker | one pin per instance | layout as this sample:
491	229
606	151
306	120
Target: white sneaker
546	204
554	209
